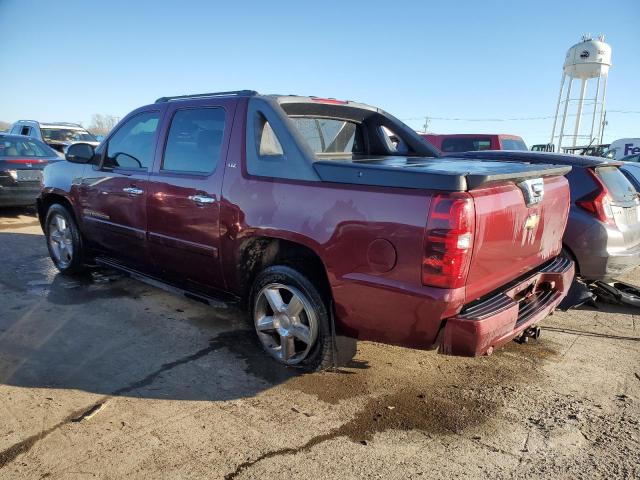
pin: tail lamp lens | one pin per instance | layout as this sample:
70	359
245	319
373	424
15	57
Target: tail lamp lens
448	241
598	202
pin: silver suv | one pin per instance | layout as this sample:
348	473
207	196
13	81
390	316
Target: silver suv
58	135
603	229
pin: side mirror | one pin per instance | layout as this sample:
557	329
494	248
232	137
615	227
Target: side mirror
80	153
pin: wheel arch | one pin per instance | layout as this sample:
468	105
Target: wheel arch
261	251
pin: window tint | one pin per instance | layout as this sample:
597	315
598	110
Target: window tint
463	144
132	145
25	131
195	140
619	187
329	135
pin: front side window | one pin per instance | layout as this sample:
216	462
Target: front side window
25	131
194	142
131	147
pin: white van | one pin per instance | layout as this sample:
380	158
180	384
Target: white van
623	148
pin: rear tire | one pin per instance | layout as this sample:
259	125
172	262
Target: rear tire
64	241
291	319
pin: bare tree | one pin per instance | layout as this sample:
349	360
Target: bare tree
4	126
102	124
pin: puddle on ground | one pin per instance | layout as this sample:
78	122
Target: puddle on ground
63	290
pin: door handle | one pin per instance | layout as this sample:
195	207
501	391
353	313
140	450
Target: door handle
133	190
202	199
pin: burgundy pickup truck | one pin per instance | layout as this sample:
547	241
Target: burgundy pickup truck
315	213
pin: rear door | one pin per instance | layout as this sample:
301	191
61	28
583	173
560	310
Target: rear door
184	194
113	195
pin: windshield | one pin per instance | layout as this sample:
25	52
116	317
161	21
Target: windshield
61	134
329	135
12	147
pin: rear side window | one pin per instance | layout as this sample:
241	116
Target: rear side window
330	135
464	144
619	187
25	131
194	142
131	147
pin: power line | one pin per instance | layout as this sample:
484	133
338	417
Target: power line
456	119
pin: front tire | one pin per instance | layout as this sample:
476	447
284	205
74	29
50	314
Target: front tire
291	319
64	241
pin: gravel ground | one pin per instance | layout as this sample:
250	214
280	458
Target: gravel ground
106	377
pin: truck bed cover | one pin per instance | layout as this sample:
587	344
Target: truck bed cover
447	173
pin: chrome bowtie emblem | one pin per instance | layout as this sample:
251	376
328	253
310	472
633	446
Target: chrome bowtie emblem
533	190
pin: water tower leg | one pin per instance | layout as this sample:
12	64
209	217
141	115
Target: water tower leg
576	131
555	118
602	111
595	110
564	115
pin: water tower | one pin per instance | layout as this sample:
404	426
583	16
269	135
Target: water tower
588	60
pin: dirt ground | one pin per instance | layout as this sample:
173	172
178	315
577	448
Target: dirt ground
107	377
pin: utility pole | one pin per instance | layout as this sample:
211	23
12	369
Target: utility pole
426	124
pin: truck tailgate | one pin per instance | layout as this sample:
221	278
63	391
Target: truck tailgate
512	238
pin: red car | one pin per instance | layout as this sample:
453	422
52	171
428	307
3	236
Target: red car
305	210
466	142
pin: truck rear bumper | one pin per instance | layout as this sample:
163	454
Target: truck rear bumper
492	321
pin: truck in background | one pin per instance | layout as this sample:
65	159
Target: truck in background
471	142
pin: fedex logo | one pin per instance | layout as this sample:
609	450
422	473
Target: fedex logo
629	149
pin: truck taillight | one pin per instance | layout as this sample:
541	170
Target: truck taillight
448	241
598	202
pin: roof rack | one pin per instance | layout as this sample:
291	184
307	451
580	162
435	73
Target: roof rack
238	93
65	124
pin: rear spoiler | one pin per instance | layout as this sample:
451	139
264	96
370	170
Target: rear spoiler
433	174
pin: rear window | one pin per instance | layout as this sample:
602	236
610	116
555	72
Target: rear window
465	144
24	148
512	144
330	135
619	187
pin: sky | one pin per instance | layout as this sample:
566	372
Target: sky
67	60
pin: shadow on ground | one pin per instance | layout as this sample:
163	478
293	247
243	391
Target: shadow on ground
109	334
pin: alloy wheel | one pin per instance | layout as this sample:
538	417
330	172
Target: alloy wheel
285	322
61	240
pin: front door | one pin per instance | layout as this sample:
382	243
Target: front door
114	194
184	196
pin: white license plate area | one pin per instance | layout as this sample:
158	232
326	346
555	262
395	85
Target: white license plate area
29	175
